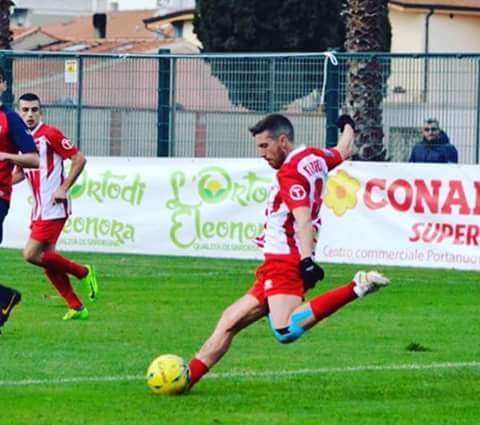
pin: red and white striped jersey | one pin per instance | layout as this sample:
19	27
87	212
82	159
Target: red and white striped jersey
300	182
53	148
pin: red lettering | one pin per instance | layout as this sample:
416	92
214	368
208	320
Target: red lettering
423	195
476	210
446	231
368	195
394	188
472	235
420	196
416	232
456	197
459	234
429	236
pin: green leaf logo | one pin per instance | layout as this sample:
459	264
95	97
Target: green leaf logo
214	185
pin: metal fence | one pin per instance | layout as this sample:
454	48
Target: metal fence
202	105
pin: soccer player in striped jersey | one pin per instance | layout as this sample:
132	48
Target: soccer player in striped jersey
291	225
52	207
14	138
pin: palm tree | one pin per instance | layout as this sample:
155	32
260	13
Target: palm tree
5	33
367	30
5	39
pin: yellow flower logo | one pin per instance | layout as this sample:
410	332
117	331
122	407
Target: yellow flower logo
341	194
213	186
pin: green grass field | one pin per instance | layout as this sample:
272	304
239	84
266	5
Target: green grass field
409	354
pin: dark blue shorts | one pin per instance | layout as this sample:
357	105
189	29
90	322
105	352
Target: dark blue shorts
4	205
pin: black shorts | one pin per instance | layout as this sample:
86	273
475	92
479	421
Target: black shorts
4	205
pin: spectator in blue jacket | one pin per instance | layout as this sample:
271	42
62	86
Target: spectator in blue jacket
435	146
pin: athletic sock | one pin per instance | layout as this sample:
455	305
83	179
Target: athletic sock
197	370
5	293
62	284
328	303
55	262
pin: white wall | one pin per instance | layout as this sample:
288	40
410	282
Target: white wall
454	33
447	32
189	35
407	32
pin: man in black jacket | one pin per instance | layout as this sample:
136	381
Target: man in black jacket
435	146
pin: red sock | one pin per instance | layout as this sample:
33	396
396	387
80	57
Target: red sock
55	262
328	303
62	284
197	370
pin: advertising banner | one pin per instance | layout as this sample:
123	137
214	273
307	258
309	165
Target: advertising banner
159	206
421	215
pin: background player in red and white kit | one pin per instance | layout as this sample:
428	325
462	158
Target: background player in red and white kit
14	138
52	206
292	222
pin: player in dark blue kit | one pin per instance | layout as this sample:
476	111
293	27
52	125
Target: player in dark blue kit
16	148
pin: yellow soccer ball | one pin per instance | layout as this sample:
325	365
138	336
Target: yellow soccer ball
168	374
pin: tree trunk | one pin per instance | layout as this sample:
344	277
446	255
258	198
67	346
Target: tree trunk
366	32
5	33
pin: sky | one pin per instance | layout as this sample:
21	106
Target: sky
136	4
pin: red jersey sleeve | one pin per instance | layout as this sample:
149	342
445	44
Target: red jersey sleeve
60	144
332	157
294	189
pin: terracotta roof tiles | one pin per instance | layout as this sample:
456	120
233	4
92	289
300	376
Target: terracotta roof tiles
120	24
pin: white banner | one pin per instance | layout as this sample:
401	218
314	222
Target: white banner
422	215
159	206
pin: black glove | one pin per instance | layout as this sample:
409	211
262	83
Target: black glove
343	120
310	272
